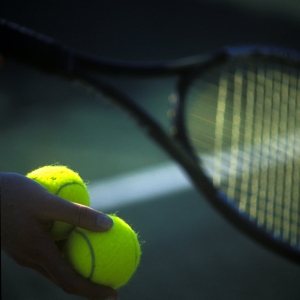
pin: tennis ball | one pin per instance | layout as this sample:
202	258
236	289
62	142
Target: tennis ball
65	183
108	258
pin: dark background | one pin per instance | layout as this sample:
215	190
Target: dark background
190	252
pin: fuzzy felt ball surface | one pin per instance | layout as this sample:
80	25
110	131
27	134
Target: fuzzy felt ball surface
65	183
109	258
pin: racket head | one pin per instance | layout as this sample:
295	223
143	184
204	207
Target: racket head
239	117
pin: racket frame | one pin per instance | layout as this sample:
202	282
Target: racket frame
50	56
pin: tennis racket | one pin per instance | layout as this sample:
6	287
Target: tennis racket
235	124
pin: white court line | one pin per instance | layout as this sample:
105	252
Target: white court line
138	186
168	178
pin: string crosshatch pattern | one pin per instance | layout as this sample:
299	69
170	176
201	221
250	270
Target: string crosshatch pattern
248	139
235	127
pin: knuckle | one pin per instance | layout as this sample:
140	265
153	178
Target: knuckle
83	217
80	215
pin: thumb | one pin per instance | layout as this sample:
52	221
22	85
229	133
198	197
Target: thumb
76	214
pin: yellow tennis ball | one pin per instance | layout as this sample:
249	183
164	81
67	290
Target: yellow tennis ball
108	258
65	183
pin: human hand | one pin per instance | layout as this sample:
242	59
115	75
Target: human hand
27	212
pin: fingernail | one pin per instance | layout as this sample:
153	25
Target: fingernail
104	222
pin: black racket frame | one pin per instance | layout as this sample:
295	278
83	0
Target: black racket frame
50	56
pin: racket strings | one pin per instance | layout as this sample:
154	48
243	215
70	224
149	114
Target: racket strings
265	113
248	116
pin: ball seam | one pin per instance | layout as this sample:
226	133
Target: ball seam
67	184
58	191
91	252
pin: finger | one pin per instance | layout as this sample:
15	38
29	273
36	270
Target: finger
75	214
33	266
60	245
69	281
